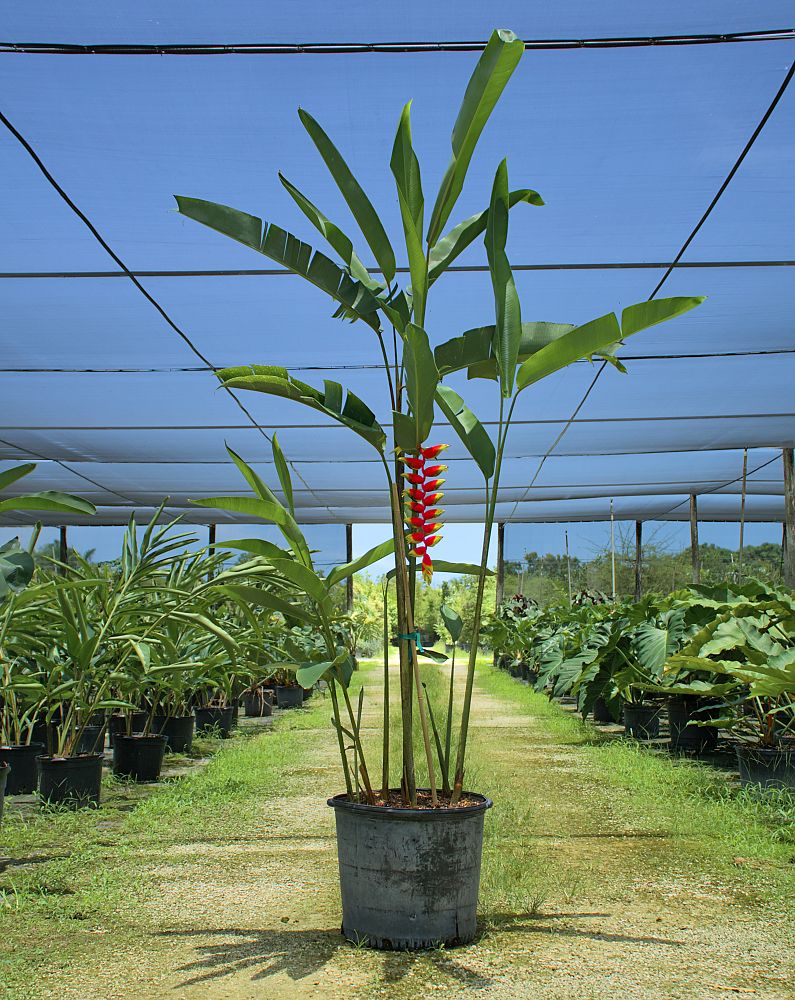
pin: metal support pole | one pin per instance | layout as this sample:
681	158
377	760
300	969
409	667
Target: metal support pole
568	563
63	547
349	558
211	535
789	517
695	557
742	517
612	550
500	563
638	560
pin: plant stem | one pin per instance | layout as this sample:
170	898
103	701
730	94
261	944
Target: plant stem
340	738
426	738
449	728
385	751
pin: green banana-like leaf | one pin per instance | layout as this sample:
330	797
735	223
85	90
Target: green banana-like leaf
406	171
277	381
422	378
334	236
645	314
210	626
452	621
535	335
9	476
507	309
256	547
283	472
304	578
287	250
467	426
361	562
581	342
453	243
308	674
16	568
404	428
443	566
267	599
495	66
474	350
360	205
49	500
263	511
433	654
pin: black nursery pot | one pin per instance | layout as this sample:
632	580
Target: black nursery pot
92	740
409	878
73	781
21	759
258	705
601	713
642	722
208	719
4	769
139	758
770	768
686	736
118	724
178	731
289	697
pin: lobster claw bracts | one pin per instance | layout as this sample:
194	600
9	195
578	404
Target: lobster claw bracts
423	515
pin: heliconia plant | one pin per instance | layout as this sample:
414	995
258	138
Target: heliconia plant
512	353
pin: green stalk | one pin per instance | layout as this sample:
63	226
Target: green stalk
385	751
448	736
491	505
340	739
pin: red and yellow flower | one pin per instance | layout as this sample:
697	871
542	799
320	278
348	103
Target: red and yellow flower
423	515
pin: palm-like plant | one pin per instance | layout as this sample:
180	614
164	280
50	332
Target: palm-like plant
512	353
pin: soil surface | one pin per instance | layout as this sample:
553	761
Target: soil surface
255	915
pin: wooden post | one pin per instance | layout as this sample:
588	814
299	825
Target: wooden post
349	558
211	535
638	560
500	563
63	546
742	517
695	556
789	517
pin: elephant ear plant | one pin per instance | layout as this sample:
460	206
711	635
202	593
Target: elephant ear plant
512	353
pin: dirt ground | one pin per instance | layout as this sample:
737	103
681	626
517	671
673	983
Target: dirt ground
256	915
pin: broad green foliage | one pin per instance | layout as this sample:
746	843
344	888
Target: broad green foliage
732	644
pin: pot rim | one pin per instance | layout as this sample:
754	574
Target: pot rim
341	801
82	758
753	748
160	737
23	746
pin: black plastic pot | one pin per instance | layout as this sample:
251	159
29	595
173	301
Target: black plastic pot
208	719
642	722
409	878
289	697
92	740
258	703
307	693
118	724
601	713
235	706
770	768
21	759
4	769
139	758
684	735
178	731
73	781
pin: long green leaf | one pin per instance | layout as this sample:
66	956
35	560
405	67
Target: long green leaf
642	315
452	621
283	473
581	342
508	312
361	562
267	599
49	500
406	171
287	250
256	547
360	205
452	244
467	426
422	378
495	66
304	578
9	476
333	234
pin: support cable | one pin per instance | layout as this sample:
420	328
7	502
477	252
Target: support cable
118	261
727	180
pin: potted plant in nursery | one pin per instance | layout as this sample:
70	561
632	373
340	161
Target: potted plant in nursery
410	856
749	648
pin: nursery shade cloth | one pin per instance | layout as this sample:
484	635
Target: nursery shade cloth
626	145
